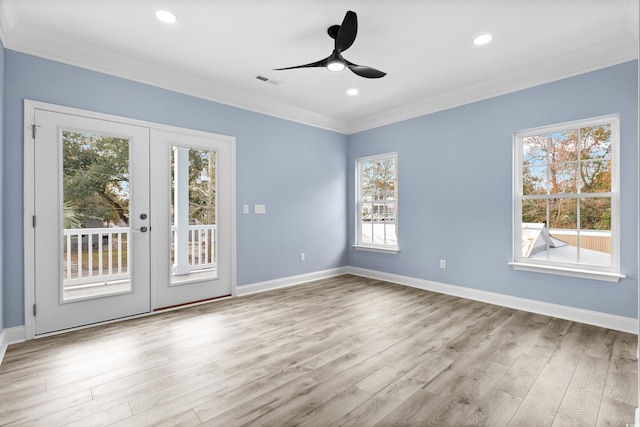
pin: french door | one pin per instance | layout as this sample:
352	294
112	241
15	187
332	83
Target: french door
192	216
127	218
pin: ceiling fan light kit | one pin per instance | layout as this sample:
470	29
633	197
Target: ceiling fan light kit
336	65
344	35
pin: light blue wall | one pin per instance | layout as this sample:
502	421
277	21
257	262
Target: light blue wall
455	190
298	171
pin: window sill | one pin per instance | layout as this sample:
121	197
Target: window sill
379	249
571	272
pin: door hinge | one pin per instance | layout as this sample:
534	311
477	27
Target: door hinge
33	130
33	221
34	309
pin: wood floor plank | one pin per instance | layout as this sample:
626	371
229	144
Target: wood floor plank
343	351
185	419
621	387
395	393
523	374
461	390
523	333
495	410
602	343
419	407
32	413
613	413
623	356
572	346
329	410
250	411
540	405
310	407
581	401
102	418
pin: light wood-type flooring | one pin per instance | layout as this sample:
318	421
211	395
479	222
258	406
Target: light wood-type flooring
341	351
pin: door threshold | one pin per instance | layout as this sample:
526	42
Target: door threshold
190	304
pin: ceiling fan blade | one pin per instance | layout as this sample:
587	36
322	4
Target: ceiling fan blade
347	33
321	63
364	71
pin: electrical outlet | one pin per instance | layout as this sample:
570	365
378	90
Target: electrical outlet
443	264
301	256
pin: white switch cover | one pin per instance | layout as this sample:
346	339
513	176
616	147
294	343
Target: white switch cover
245	209
260	209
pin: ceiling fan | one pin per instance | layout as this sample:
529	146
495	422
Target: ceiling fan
344	36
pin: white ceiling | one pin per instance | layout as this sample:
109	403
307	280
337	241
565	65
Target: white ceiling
217	48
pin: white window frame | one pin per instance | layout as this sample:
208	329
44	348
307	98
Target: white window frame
365	246
609	273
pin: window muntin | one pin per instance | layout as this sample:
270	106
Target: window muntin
377	202
566	195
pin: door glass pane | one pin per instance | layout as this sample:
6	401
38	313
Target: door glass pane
193	207
95	215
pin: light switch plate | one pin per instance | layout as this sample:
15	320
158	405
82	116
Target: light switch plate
260	209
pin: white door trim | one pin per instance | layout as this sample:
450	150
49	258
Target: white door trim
29	189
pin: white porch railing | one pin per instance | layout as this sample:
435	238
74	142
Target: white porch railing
100	255
95	255
202	246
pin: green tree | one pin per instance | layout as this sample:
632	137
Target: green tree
71	217
202	186
96	176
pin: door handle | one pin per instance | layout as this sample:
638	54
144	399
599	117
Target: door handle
142	229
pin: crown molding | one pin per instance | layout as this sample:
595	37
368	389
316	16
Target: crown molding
570	65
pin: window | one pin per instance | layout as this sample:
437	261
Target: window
377	203
566	199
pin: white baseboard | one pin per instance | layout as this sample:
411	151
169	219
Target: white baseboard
288	281
604	320
10	336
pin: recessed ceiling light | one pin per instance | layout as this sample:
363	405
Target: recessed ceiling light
166	16
483	39
352	92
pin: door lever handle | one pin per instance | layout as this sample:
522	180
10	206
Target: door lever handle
142	229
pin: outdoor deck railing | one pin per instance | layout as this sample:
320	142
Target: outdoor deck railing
99	255
202	246
95	255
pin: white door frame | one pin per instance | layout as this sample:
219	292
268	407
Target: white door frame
29	189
